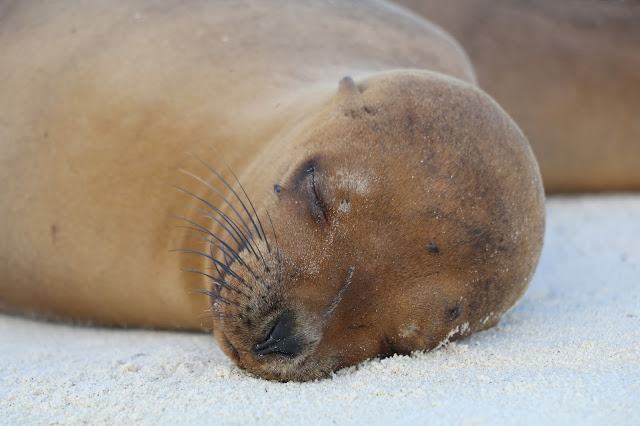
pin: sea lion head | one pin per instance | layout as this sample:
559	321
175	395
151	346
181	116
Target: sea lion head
407	212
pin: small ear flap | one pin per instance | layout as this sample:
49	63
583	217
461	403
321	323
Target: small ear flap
348	100
347	87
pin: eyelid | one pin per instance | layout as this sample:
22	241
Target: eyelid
319	204
306	184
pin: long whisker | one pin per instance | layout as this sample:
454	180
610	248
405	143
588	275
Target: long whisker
199	228
226	249
229	253
246	240
215	265
216	296
224	267
191	228
217	268
204	230
217	281
264	262
218	313
275	238
212	188
235	194
230	222
212	314
252	207
214	317
212	207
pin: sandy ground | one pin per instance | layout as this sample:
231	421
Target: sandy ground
568	353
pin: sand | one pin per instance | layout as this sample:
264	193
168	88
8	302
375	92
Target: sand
568	353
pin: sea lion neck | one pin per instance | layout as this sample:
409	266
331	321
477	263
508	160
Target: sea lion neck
293	108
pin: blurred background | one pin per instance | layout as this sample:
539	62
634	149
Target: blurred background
568	72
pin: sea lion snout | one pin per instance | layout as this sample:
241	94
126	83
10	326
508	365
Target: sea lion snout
281	340
258	324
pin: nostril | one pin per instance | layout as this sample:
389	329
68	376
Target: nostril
288	347
280	341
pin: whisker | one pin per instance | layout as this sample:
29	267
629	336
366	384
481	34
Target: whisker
227	259
213	295
236	194
217	270
275	238
225	250
212	313
225	268
217	281
199	228
191	228
264	262
226	218
252	207
216	296
233	253
215	317
205	231
246	240
211	206
211	187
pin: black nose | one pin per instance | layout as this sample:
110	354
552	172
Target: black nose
280	341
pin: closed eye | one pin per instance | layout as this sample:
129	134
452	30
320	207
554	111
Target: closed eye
307	185
318	203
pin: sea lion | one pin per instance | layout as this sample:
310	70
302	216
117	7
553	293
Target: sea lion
390	212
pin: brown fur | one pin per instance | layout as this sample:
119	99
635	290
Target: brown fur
568	72
408	208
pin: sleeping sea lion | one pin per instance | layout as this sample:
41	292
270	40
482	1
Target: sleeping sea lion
352	192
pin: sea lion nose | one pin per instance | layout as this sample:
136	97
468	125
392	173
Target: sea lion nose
280	341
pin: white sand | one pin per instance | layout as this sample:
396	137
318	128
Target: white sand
569	353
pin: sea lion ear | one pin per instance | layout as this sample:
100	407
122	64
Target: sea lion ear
348	100
347	87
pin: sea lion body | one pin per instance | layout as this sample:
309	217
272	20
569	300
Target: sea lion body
103	101
389	213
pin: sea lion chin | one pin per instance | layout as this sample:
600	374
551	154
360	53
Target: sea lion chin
416	217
